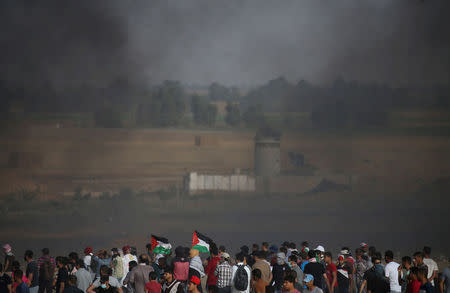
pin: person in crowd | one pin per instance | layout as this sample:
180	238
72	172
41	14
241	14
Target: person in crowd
374	278
101	258
9	259
72	285
364	247
331	271
292	247
127	257
196	266
194	283
139	275
5	281
15	267
117	265
32	271
62	276
223	273
173	285
426	286
21	286
126	280
403	272
418	260
361	266
72	263
304	247
258	285
310	285
278	272
47	268
104	287
391	272
241	271
106	272
264	267
210	269
84	278
88	257
317	270
344	275
265	249
180	265
414	284
444	282
153	286
289	284
222	249
293	265
433	269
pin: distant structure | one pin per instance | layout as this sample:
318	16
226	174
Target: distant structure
195	183
267	156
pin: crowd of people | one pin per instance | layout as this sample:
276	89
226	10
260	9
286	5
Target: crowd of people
262	269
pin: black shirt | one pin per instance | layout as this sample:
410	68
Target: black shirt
5	280
343	276
72	289
32	268
278	274
111	289
317	270
63	275
375	282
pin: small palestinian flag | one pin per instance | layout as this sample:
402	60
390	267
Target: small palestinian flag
201	242
160	245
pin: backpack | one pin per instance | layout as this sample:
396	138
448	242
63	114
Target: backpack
47	270
241	278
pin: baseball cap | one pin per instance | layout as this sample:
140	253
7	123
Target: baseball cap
88	250
195	280
308	278
320	248
126	247
225	255
344	252
273	248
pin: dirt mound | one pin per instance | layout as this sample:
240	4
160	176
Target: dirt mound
326	185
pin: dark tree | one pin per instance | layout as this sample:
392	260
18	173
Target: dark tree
233	116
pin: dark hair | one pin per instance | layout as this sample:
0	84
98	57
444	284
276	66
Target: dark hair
213	249
240	257
60	259
153	275
311	254
283	249
80	263
105	270
407	259
18	274
15	265
292	258
289	278
29	254
256	274
132	264
143	258
72	279
327	253
376	256
418	253
423	270
292	245
265	244
255	246
73	255
169	270
305	243
389	254
222	248
291	273
372	250
104	279
162	260
427	250
45	251
358	251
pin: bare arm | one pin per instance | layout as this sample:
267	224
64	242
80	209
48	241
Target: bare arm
433	276
61	287
363	285
119	290
90	289
10	288
333	283
327	282
30	277
441	286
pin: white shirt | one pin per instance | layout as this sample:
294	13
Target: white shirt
432	266
247	269
391	272
126	260
87	260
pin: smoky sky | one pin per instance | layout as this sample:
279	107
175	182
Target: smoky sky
235	42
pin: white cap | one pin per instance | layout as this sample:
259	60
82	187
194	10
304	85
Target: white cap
225	255
320	248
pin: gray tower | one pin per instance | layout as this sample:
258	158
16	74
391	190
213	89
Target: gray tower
267	157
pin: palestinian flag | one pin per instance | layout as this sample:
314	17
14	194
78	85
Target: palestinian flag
160	245
201	242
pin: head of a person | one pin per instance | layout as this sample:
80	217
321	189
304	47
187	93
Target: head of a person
73	257
283	249
341	259
240	258
255	247
222	249
372	250
388	256
193	253
288	283
115	251
132	264
79	264
18	275
72	280
256	275
259	255
88	250
168	275
7	248
213	249
305	244
265	246
309	281
152	276
60	261
244	249
422	274
15	265
143	259
45	251
328	257
225	257
376	258
364	247
418	258
406	262
126	249
427	251
311	254
162	262
285	244
104	282
28	256
281	258
359	253
292	245
273	248
193	283
179	252
105	270
292	260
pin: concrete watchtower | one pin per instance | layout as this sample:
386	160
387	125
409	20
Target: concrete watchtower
267	156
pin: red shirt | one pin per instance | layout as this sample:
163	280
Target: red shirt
210	269
413	286
153	287
330	269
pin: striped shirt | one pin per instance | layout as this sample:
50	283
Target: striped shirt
45	258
